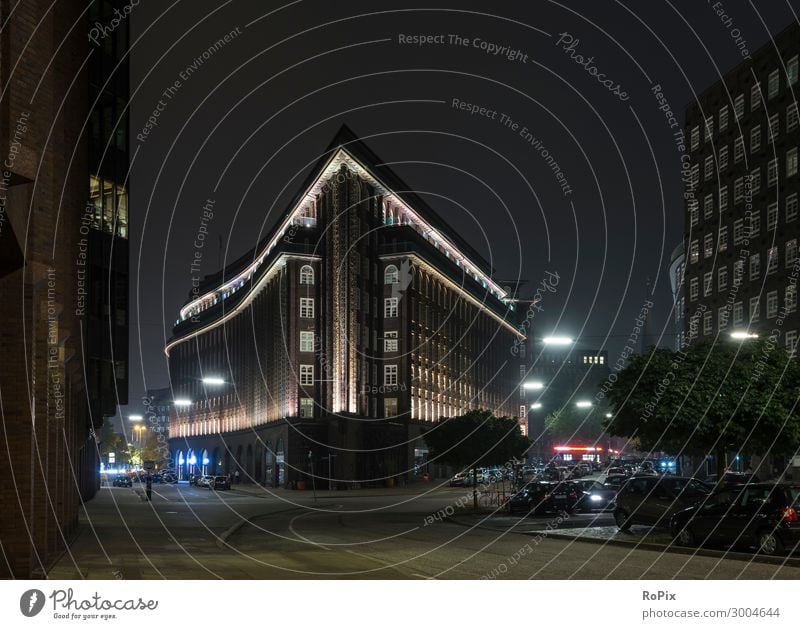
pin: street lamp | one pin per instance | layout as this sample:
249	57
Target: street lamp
213	381
536	405
609	415
135	418
182	402
557	340
533	385
742	335
583	404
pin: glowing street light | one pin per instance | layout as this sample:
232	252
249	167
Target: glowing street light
536	405
135	418
741	335
533	385
583	404
557	340
213	381
182	402
609	415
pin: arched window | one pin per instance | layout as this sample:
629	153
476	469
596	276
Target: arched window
391	275
306	275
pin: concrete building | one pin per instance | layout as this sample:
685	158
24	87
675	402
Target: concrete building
357	323
741	217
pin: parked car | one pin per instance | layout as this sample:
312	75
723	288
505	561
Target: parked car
543	497
731	479
615	480
763	516
220	482
204	481
459	480
596	496
653	500
122	480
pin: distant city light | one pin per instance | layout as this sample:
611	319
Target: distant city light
213	381
183	402
743	335
533	385
135	418
536	405
583	404
609	415
557	340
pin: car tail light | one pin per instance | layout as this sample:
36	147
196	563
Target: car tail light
547	496
789	514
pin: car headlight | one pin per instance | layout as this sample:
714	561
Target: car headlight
595	498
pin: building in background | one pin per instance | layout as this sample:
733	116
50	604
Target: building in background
741	219
357	323
677	266
159	410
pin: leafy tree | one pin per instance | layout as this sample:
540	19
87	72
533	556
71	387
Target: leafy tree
475	439
573	423
718	398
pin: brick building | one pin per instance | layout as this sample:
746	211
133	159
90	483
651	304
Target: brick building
741	222
360	320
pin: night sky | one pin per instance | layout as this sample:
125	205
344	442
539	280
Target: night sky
243	127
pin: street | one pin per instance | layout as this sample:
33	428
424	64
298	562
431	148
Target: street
252	533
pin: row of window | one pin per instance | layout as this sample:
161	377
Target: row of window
737	312
390	341
389	375
773	89
391	275
791	158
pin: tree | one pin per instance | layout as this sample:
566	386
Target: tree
112	442
475	439
573	423
715	398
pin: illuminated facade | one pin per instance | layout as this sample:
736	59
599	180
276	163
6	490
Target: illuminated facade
360	320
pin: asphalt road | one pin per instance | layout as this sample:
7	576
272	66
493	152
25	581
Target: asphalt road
190	533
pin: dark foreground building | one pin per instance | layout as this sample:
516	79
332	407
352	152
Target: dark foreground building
742	224
54	199
358	322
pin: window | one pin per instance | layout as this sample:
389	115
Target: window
755	96
774	127
695	138
693	286
306	407
755	138
738	231
772	172
738	106
723	198
709	128
791	298
694	216
755	224
738	149
792	117
723	118
755	266
773	84
708	245
306	275
722	278
694	252
390	407
791	342
772	215
722	318
708	206
723	158
772	260
722	245
755	180
708	170
791	71
791	252
707	324
738	313
306	375
791	207
390	375
694	176
390	307
306	307
791	162
306	341
391	275
708	284
738	272
772	304
738	190
390	341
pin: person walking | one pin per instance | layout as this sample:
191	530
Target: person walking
236	476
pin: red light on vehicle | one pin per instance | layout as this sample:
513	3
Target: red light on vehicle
789	514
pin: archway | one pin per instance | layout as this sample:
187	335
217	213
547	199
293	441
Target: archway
180	462
204	462
216	462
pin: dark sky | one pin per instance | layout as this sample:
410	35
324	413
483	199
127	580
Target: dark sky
245	125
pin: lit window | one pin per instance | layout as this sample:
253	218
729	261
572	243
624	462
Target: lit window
390	375
306	307
306	375
390	307
390	341
391	275
306	341
694	252
708	245
773	84
390	407
306	407
306	275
